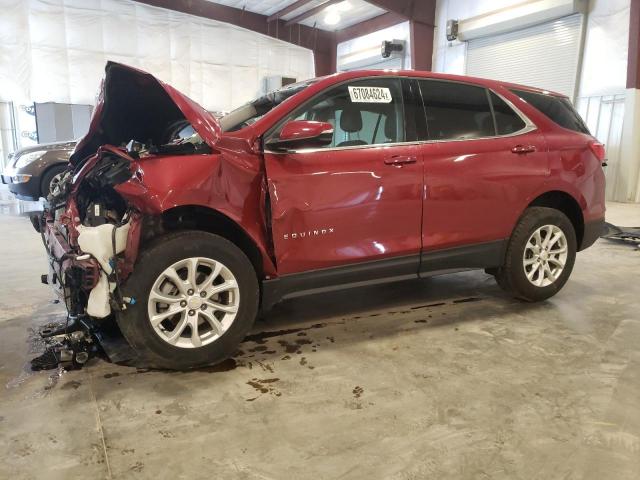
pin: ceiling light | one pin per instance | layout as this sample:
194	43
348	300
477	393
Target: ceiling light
343	6
332	18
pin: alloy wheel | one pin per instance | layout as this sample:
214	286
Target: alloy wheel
545	255
193	302
54	185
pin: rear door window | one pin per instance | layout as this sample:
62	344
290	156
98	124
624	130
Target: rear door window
456	111
557	109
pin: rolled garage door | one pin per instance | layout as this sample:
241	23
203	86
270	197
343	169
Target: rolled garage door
545	55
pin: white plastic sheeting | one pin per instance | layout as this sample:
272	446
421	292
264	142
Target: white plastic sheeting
56	50
604	66
605	118
603	88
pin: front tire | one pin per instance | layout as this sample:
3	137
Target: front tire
196	297
50	179
540	255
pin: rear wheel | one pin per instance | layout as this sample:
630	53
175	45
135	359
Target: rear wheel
196	298
540	255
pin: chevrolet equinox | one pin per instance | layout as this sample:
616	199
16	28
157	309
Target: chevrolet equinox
366	176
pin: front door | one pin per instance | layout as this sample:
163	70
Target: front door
357	199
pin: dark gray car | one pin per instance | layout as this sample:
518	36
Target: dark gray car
31	170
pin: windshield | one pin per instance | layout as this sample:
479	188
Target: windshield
255	109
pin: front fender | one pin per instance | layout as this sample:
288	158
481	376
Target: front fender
226	182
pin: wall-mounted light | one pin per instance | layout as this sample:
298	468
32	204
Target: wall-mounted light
388	47
452	30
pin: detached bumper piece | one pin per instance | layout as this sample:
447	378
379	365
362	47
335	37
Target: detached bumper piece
72	344
49	360
625	234
69	345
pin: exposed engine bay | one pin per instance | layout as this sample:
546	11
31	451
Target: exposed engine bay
152	163
91	232
85	228
88	216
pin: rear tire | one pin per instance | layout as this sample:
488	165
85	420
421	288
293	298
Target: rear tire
540	255
161	283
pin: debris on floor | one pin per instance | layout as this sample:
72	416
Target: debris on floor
67	345
49	360
624	234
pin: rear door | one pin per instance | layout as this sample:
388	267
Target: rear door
356	200
481	160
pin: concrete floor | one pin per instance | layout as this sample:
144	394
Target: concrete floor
443	378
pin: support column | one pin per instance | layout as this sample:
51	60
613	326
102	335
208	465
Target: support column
633	65
628	188
421	40
324	58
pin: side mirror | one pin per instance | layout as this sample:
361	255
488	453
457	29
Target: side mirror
298	134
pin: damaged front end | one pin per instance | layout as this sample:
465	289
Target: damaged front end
85	228
92	236
92	224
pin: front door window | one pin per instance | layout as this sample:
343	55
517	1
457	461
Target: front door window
362	112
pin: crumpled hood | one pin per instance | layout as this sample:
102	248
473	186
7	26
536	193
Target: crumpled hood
133	104
68	145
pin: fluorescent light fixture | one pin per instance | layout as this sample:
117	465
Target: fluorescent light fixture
332	18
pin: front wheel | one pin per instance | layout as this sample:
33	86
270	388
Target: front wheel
196	298
51	180
540	255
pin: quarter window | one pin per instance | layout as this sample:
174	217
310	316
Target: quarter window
557	109
362	112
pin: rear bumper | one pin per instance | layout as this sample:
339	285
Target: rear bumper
592	231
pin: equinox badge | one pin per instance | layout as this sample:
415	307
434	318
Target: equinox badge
309	233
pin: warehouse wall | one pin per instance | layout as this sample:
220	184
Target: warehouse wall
55	51
364	51
604	98
605	51
604	66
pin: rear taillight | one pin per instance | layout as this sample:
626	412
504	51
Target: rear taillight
598	150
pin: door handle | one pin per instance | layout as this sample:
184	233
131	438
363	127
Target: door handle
523	149
399	160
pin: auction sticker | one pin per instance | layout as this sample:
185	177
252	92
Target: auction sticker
370	94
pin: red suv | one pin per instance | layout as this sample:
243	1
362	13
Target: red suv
184	226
